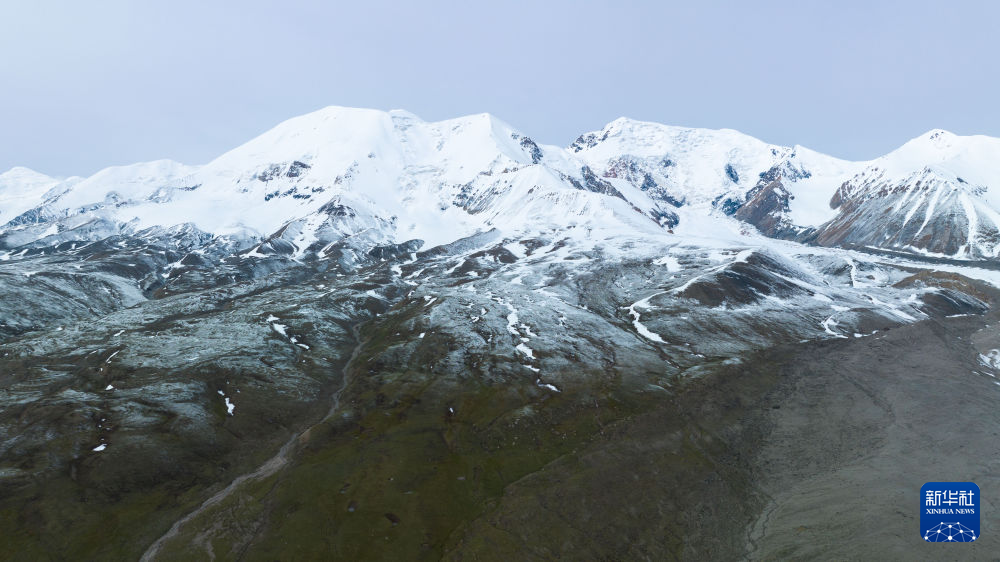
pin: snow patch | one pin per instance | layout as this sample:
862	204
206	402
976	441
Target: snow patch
828	326
548	386
633	310
670	262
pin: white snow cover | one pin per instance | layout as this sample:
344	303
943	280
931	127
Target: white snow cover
699	156
973	158
809	204
439	181
939	178
390	165
22	189
705	163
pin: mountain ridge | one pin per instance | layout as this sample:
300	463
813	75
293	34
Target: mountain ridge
476	172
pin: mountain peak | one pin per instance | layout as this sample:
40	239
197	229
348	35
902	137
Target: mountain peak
942	141
21	173
341	111
627	124
934	139
938	133
965	156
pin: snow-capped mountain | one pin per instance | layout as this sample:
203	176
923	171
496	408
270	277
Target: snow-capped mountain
340	172
722	170
362	319
693	166
938	194
22	189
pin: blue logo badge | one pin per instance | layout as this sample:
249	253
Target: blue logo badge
949	512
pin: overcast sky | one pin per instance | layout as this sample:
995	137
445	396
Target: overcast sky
91	84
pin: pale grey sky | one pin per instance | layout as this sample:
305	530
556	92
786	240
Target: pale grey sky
91	84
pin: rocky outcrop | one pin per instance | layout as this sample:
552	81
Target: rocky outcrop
767	209
924	213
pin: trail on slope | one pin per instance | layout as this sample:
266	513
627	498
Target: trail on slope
269	467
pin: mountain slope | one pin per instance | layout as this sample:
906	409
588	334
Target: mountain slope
937	194
367	334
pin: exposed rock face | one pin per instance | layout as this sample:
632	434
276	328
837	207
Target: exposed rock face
923	213
935	195
767	209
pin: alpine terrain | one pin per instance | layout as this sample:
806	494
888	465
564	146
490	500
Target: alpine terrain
361	335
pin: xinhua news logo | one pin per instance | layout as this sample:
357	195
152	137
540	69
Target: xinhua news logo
949	512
